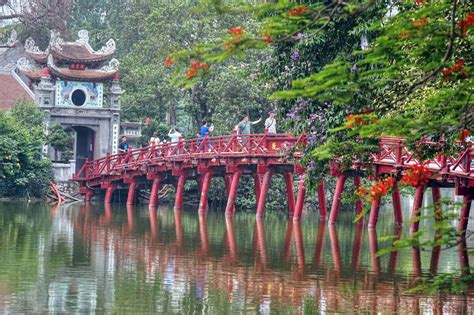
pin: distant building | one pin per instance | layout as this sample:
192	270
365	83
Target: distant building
78	88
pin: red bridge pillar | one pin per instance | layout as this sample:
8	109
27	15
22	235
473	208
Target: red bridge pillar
232	193
464	214
359	206
206	183
154	192
289	191
258	186
109	192
438	215
300	199
337	198
263	193
131	192
417	203
178	203
374	213
323	212
397	207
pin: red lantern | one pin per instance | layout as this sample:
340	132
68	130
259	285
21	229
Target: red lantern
147	121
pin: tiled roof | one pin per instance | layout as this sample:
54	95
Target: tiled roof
40	57
72	52
11	91
82	75
33	75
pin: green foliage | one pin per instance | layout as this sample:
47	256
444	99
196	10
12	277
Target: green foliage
23	171
62	141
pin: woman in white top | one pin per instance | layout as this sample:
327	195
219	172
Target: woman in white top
154	140
270	122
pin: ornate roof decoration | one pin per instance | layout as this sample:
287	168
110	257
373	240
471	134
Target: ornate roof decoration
112	66
34	52
28	69
13	40
80	50
24	64
103	74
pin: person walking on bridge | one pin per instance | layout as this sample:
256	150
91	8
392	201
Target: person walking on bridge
243	127
270	122
175	135
154	140
206	130
243	130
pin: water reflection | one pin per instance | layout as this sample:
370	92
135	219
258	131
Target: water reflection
149	260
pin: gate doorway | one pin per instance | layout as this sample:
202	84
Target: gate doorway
84	145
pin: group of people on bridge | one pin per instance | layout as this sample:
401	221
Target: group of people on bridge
175	134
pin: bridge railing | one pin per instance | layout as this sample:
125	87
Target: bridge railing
392	151
209	147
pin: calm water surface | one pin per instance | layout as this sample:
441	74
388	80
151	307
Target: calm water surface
87	258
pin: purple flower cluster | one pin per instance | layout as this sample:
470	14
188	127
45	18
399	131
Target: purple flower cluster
293	114
303	104
315	117
354	69
310	165
295	56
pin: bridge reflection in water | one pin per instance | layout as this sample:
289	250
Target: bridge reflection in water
183	261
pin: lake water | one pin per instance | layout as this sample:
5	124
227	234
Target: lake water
87	258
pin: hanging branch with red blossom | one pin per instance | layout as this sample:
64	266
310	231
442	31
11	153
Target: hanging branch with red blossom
379	189
466	23
457	70
195	67
416	176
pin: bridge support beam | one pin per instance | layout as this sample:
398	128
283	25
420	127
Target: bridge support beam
336	203
206	183
438	216
462	227
374	213
289	191
232	194
267	178
154	192
131	192
464	214
178	203
300	199
89	195
87	192
258	186
228	183
358	206
397	206
323	212
417	203
108	193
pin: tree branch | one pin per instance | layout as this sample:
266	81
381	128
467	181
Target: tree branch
447	55
10	16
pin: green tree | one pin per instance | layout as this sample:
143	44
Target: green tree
23	171
62	141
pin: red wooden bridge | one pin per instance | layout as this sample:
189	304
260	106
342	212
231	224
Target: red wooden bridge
261	156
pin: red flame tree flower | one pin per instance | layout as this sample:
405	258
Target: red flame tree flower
416	176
